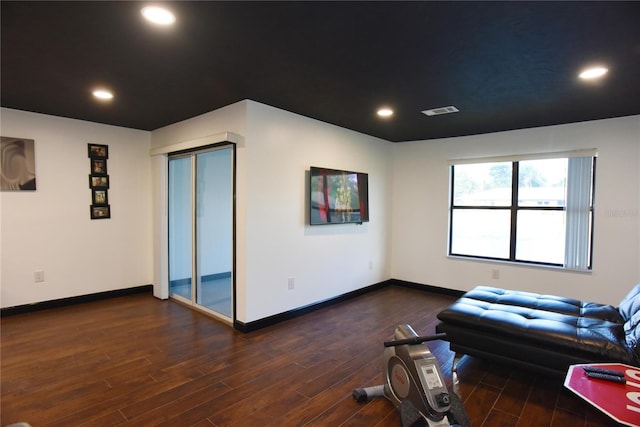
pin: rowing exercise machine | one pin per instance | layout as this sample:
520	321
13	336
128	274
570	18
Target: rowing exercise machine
414	383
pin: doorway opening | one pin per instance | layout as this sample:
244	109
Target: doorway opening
201	218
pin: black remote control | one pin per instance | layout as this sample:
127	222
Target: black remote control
614	378
597	370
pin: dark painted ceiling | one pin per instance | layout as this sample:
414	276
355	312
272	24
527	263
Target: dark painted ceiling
504	65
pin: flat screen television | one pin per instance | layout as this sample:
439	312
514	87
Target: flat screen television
338	196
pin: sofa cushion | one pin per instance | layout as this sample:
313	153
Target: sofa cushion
550	303
630	304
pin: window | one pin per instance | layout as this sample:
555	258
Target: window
529	210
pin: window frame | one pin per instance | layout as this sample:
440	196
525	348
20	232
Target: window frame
514	208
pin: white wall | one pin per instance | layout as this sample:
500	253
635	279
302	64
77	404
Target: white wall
406	239
273	242
51	230
421	184
325	261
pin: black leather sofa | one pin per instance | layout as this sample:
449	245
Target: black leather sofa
545	333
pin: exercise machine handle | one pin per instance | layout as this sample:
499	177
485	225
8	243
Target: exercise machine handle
415	340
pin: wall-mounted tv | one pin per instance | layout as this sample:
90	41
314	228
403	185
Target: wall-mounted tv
338	196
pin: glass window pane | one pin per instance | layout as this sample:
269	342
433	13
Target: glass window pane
482	184
554	208
542	182
214	226
180	227
540	236
481	232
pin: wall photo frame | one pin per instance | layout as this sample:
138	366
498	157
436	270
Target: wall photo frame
100	212
98	166
98	181
99	197
98	151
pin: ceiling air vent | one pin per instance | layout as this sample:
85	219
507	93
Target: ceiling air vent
441	110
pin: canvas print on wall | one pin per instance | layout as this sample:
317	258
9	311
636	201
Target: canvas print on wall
17	164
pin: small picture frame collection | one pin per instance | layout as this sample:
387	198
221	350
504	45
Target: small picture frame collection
99	181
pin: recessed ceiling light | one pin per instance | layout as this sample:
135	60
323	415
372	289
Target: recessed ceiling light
593	73
158	15
385	112
103	94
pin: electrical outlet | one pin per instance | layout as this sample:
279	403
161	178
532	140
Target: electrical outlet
38	276
291	283
495	274
370	265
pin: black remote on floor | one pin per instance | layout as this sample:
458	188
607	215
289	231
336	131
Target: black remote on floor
614	378
597	370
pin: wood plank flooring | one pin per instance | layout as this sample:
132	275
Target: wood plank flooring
139	361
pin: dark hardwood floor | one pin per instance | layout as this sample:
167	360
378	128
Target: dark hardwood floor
139	361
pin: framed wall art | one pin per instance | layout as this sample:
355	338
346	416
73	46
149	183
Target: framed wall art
100	212
98	151
98	166
17	164
99	197
99	181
